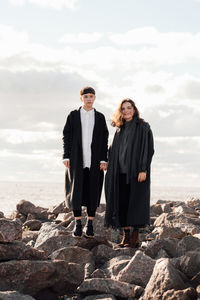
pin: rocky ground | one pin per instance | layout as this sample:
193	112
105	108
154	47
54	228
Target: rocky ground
39	258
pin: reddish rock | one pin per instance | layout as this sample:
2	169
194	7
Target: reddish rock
164	277
110	286
33	224
20	251
138	270
10	230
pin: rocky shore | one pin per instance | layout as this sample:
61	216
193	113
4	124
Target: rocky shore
39	258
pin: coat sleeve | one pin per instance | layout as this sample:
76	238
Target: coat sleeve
67	137
147	149
104	149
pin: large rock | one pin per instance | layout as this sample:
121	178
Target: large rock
156	210
28	235
74	255
103	253
187	294
110	286
58	209
68	277
164	277
10	230
187	223
26	276
188	264
183	209
31	277
168	245
14	295
20	251
52	237
138	270
115	265
67	218
31	211
188	243
194	203
168	232
33	224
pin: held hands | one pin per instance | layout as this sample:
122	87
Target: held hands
142	176
67	164
103	166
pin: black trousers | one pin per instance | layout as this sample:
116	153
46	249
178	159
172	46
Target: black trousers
124	198
85	195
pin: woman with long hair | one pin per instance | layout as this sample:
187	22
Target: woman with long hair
127	184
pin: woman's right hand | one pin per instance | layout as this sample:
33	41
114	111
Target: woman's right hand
142	176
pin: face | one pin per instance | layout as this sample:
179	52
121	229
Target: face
88	100
127	111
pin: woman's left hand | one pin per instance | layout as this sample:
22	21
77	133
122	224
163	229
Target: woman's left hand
142	176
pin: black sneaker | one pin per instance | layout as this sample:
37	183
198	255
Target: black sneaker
78	230
89	230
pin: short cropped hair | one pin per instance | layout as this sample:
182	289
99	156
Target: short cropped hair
87	90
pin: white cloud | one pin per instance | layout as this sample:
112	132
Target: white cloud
55	4
21	136
81	38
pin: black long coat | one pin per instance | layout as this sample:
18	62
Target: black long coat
142	150
72	146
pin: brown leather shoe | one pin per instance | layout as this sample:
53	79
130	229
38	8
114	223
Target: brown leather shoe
125	239
134	240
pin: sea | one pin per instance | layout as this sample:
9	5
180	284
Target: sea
46	194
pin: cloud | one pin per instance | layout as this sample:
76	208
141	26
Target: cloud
81	38
54	4
189	88
173	120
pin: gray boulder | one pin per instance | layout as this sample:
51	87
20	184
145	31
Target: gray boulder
168	245
58	209
164	277
188	243
187	223
20	251
14	295
10	230
168	232
138	270
33	224
115	265
74	255
52	237
31	211
189	264
110	286
28	235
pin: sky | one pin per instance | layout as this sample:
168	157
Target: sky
147	50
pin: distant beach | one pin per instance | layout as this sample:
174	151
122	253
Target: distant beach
48	194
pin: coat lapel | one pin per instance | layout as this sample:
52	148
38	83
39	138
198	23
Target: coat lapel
79	127
96	123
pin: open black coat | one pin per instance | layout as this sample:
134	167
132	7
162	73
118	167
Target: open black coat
142	150
72	146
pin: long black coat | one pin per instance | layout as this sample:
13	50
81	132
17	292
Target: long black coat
142	150
72	146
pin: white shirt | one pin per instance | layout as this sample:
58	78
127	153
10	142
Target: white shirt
87	125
